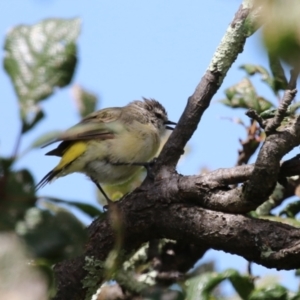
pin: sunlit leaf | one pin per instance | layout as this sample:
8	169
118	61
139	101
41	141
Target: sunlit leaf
201	287
275	82
39	58
85	101
243	95
242	284
270	113
256	69
274	292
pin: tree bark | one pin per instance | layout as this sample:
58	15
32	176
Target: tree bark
199	209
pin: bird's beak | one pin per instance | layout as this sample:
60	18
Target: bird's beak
170	123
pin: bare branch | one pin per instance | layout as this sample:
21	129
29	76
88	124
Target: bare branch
266	170
251	113
287	99
250	144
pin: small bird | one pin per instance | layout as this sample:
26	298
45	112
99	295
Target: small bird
111	144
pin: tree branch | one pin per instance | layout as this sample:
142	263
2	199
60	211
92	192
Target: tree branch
164	206
271	244
231	45
287	99
267	165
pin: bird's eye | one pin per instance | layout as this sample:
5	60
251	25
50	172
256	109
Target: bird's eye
158	115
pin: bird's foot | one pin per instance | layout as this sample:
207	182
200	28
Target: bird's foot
109	204
147	165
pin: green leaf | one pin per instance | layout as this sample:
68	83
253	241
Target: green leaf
29	124
243	95
295	297
46	268
201	287
39	58
242	284
293	108
85	101
256	69
279	79
52	236
280	32
90	210
273	292
277	82
44	139
291	209
269	113
5	164
17	194
291	111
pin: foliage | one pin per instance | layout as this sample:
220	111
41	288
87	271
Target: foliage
282	29
42	57
38	59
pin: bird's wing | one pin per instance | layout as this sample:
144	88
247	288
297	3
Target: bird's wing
100	125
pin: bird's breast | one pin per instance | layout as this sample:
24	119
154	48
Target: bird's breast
132	145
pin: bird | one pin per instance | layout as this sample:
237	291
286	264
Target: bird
111	144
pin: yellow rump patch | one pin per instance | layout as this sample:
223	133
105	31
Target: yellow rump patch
72	153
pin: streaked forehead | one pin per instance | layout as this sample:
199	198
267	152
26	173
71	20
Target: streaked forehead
150	105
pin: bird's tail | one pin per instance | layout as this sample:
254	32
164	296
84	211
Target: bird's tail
47	178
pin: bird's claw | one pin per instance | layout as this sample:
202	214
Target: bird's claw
147	165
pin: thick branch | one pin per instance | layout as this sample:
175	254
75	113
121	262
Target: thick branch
151	213
272	244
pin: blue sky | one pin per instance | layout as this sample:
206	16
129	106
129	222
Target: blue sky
129	49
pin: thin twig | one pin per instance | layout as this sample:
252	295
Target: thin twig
17	145
249	268
251	113
286	101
